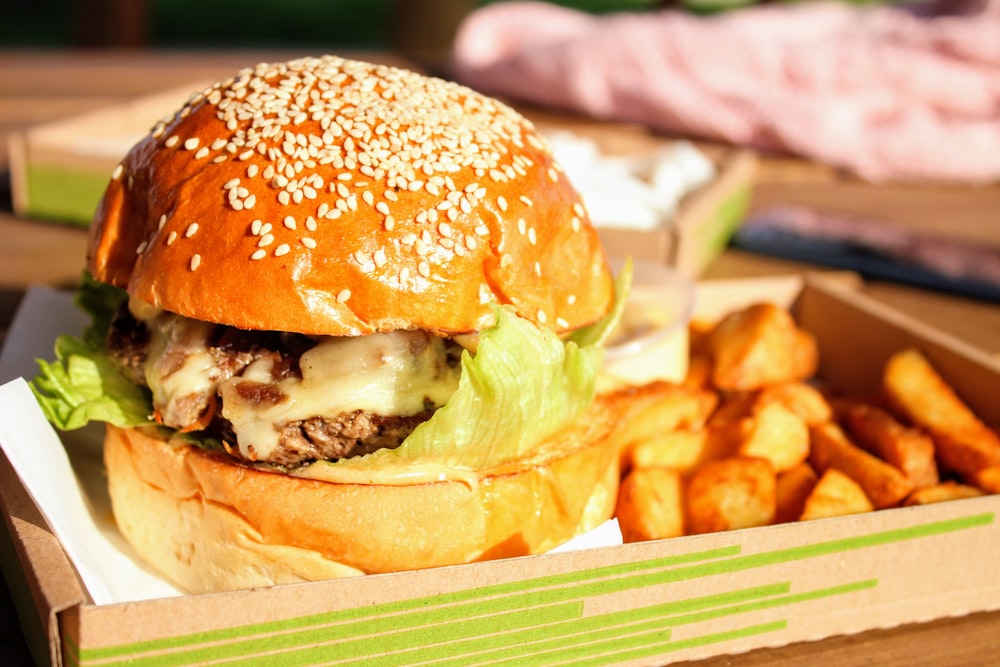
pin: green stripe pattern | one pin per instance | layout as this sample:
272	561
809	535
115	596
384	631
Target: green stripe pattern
539	621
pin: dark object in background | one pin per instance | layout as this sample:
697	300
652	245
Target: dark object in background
876	249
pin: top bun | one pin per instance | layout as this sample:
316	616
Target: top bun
330	196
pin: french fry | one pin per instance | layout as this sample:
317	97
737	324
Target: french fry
777	434
730	493
793	487
908	449
699	372
651	504
734	407
802	399
987	479
964	444
685	450
835	494
884	485
759	346
651	410
938	493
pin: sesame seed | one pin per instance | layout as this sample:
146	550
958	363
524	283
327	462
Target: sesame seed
343	296
195	262
191	230
282	249
541	316
571	299
258	254
117	173
141	248
345	133
171	237
163	221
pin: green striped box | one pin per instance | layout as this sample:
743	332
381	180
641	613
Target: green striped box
637	604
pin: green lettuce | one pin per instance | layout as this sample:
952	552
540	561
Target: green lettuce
522	385
82	384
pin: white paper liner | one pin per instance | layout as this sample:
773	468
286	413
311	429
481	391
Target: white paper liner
63	473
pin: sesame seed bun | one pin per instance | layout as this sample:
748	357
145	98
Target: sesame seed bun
329	196
337	198
213	533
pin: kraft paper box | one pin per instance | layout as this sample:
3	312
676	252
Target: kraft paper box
640	604
59	171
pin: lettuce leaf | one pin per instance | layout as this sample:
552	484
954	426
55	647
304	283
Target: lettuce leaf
83	385
522	385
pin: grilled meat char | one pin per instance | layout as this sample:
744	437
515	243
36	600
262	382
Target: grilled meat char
231	351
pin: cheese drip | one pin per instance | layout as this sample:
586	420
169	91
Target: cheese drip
394	373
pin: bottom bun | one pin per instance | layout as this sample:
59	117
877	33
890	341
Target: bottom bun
209	524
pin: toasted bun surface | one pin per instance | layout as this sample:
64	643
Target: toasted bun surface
221	526
328	196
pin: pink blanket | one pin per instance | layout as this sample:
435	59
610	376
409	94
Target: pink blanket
883	92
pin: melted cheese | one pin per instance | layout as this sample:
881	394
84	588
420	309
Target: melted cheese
178	365
388	374
396	373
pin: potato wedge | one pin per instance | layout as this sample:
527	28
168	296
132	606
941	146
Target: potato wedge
884	485
801	398
908	449
793	487
777	434
758	346
650	411
987	479
914	388
730	493
937	493
651	505
835	494
685	450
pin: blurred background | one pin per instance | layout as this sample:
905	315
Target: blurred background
303	24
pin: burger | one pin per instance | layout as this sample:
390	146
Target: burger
346	319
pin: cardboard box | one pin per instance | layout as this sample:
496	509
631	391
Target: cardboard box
59	170
650	603
705	221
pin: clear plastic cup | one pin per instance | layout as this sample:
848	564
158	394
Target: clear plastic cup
651	341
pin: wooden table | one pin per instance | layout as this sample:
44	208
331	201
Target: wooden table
44	86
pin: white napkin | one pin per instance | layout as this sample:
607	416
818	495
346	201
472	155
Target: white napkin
65	477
